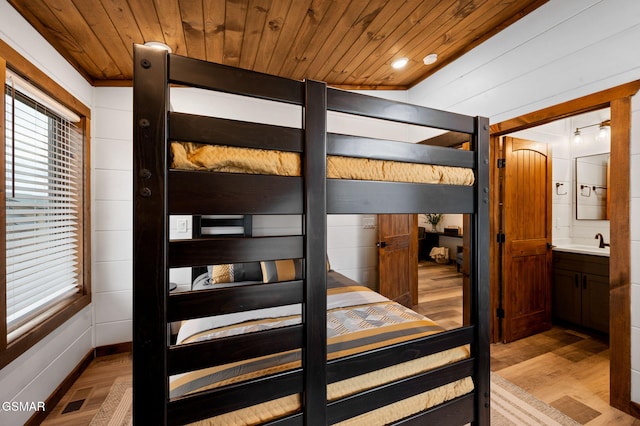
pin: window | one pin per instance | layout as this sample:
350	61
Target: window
45	220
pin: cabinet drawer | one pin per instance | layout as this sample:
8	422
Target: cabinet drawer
596	265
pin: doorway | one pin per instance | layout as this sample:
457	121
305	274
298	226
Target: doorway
541	200
619	100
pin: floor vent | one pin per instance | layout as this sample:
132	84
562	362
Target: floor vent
73	406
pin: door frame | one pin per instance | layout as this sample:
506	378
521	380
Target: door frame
618	99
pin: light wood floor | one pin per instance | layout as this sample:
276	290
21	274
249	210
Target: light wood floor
567	369
87	394
562	367
440	294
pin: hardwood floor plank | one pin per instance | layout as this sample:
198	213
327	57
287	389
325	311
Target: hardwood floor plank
440	294
90	390
565	368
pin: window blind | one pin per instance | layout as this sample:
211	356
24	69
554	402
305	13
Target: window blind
43	157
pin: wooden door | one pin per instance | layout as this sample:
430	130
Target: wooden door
526	263
398	257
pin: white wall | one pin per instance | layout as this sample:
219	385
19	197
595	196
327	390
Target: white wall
351	247
35	375
563	50
351	244
112	163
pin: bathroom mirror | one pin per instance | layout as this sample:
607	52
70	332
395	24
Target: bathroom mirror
592	187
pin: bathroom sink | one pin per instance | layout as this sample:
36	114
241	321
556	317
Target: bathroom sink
583	249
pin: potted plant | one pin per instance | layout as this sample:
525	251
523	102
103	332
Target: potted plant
433	219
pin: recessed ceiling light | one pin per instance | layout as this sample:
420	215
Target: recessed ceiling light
400	63
430	59
158	45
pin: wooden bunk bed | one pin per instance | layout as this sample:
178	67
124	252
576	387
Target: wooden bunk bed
161	190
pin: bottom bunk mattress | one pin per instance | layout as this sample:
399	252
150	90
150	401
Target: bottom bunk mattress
358	319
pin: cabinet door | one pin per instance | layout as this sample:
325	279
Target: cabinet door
567	303
595	302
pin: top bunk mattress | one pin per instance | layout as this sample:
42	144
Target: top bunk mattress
218	158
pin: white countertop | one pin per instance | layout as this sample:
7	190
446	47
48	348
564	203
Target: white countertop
583	249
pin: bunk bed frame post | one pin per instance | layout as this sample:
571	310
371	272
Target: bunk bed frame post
150	276
480	274
314	315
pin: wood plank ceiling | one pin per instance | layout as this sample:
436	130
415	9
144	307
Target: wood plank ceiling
347	43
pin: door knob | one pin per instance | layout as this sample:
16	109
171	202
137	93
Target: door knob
382	244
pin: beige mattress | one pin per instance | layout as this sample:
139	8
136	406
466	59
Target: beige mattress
193	156
358	319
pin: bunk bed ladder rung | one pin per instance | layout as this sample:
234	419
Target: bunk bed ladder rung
373	107
220	250
352	197
208	75
201	303
209	403
458	411
193	192
195	356
363	363
363	147
384	395
219	131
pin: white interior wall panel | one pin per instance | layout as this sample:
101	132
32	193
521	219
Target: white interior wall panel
563	50
112	201
35	375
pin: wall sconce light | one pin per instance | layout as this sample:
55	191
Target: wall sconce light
603	133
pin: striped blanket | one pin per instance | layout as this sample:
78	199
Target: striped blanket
358	319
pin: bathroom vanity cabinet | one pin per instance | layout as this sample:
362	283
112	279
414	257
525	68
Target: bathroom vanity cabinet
581	290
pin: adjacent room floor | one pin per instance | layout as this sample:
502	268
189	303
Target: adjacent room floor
567	369
562	367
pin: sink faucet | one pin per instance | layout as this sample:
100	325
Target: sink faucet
602	243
